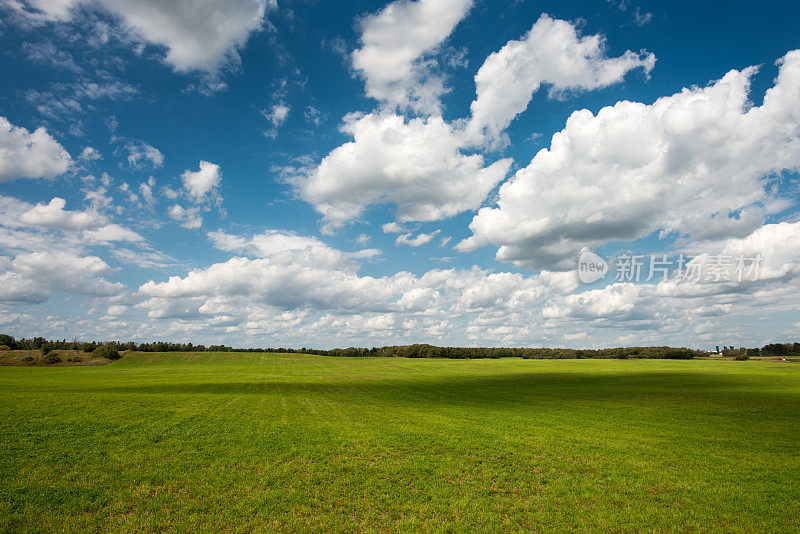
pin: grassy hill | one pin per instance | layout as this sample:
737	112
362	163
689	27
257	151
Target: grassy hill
241	442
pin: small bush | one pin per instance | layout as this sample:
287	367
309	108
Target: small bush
46	349
4	348
28	359
51	358
739	355
74	359
109	352
8	341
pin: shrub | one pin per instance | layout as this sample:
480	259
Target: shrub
739	355
46	348
74	359
4	348
28	359
50	358
7	340
109	352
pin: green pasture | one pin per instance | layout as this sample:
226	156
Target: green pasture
270	442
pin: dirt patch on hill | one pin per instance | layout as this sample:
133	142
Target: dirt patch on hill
55	358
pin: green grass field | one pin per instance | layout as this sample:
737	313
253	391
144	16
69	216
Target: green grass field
242	442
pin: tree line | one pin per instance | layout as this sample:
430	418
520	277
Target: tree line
431	351
419	350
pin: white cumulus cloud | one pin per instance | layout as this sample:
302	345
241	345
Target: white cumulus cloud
33	277
139	152
395	43
25	154
287	248
695	164
203	181
199	35
417	165
188	217
417	240
552	53
54	215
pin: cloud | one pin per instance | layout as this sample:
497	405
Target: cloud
620	302
58	107
146	190
133	198
46	53
38	12
116	310
109	88
365	253
740	265
146	259
197	35
139	152
641	18
682	304
33	277
694	164
285	248
90	154
551	53
395	43
424	165
25	154
242	286
314	115
201	186
49	227
278	114
65	101
279	285
53	215
298	284
201	182
416	165
392	228
416	241
576	336
109	233
188	217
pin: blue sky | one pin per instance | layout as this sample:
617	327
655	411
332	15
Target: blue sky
366	173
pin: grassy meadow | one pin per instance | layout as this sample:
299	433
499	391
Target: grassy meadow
270	442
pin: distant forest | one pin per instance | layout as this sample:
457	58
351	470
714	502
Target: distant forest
7	342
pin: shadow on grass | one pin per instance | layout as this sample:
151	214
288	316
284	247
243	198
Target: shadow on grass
516	387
